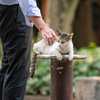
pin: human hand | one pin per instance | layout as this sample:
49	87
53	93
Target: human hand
48	35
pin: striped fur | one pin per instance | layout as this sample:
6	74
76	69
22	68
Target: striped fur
33	65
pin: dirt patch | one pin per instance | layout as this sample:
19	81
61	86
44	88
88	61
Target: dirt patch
39	97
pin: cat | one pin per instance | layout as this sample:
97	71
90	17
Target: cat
63	46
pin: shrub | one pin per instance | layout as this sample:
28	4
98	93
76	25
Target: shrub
88	67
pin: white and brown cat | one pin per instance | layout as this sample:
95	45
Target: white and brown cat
63	46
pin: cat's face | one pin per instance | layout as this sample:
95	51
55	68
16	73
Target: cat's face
63	39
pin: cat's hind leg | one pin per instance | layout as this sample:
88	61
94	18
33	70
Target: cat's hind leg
36	49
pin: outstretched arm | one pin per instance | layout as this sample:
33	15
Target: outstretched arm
47	33
32	12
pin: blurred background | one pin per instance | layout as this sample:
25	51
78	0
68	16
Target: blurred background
82	17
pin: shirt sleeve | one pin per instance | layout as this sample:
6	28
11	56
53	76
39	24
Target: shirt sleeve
29	8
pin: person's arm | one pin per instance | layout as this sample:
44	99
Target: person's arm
29	8
47	33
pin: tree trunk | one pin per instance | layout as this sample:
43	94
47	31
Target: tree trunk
61	14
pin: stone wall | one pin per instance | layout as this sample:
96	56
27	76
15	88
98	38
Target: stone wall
87	88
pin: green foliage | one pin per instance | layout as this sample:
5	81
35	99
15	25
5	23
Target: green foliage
40	84
83	67
89	66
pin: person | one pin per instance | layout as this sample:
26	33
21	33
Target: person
42	5
16	19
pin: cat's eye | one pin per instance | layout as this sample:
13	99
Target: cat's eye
62	42
58	40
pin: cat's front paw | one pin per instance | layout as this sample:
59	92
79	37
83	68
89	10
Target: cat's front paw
38	52
59	57
70	57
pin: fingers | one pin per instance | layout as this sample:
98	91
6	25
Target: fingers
54	36
48	39
49	35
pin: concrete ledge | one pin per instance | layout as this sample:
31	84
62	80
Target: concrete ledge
87	88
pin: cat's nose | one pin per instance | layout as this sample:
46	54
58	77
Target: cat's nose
59	46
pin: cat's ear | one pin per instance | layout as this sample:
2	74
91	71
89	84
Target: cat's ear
70	35
58	33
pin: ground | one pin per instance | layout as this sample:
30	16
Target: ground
39	97
30	97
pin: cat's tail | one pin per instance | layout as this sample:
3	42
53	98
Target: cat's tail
33	65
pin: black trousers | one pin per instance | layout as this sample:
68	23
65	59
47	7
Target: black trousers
16	41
